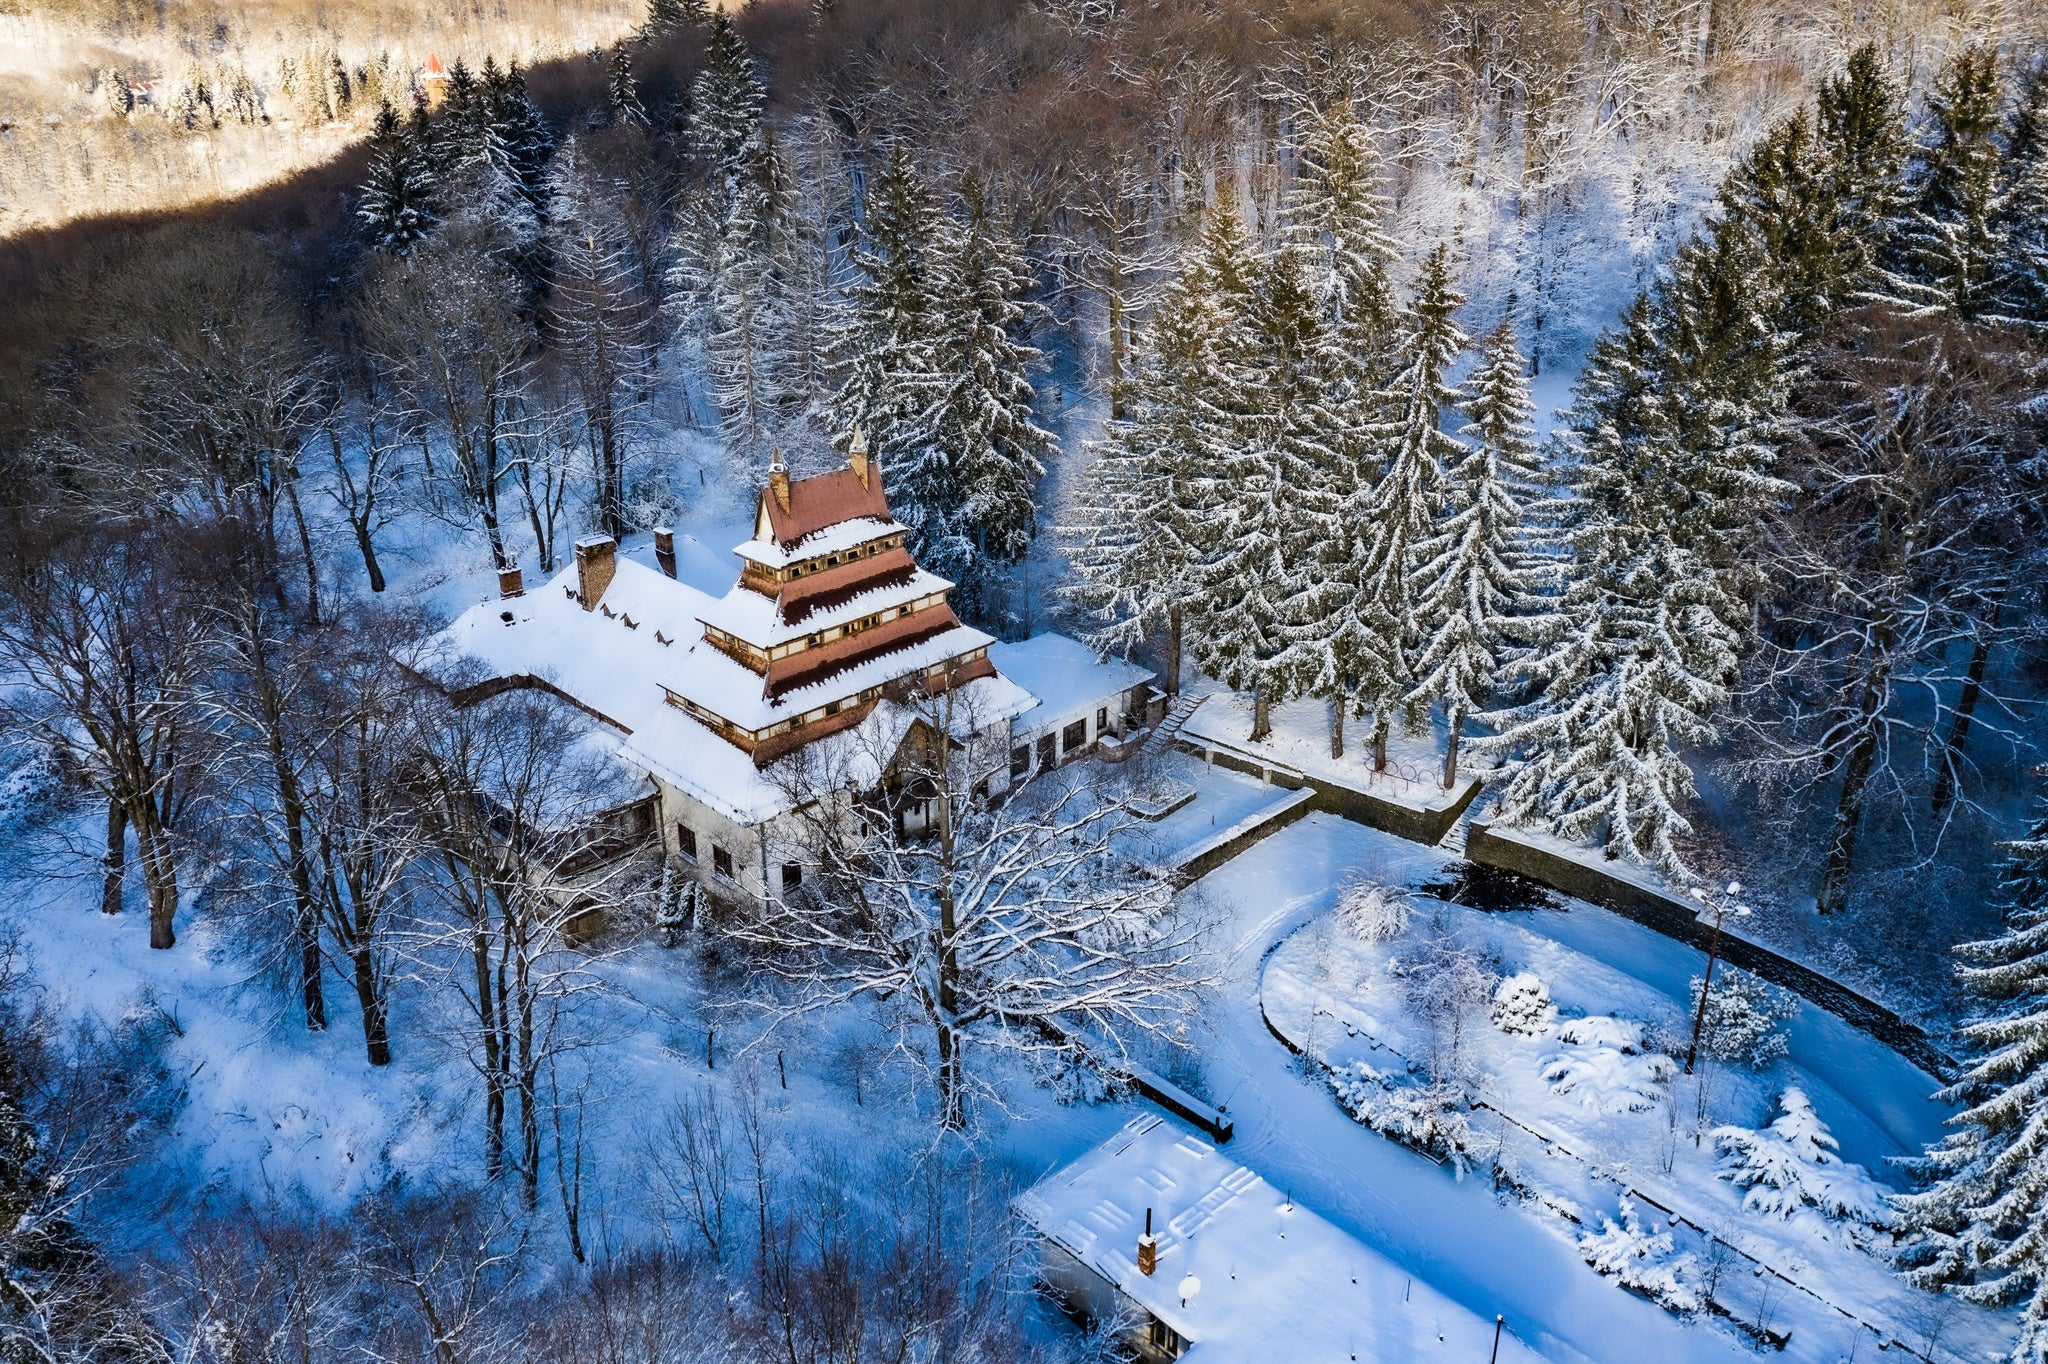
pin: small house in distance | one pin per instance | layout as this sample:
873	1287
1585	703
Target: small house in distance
831	640
1232	1271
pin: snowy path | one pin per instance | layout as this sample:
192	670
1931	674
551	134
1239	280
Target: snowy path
1487	1257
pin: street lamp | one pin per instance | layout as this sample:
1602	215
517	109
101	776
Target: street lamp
1722	908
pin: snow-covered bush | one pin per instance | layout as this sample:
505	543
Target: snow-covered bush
1373	911
1745	1018
1795	1163
1447	985
1428	1117
1521	1005
1604	1068
1641	1259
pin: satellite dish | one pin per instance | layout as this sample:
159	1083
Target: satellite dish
1189	1286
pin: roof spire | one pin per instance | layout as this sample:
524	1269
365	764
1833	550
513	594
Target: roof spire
778	477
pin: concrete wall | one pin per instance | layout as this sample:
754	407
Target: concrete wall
1403	821
1679	919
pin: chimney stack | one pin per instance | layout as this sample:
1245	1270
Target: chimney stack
511	583
1148	1249
596	561
857	456
665	549
778	479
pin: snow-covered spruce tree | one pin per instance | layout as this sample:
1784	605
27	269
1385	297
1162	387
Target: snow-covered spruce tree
518	135
888	347
397	196
1980	1227
622	92
1796	1163
1745	1017
1479	577
725	108
598	323
1669	439
1397	517
665	17
2021	283
1334	214
1274	579
1142	528
982	415
745	312
1944	256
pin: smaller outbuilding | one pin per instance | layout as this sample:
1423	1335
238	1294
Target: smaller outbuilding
1206	1261
1081	700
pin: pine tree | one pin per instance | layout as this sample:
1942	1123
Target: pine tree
983	418
888	350
397	203
1981	1225
2021	275
747	304
1478	573
665	17
1398	515
520	133
1335	214
1145	523
622	92
725	109
726	133
1948	246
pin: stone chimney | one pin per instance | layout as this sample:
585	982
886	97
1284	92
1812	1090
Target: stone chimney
778	479
665	549
1148	1249
596	561
511	583
857	456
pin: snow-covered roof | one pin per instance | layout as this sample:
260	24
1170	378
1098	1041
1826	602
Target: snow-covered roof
753	617
841	535
1065	675
1276	1281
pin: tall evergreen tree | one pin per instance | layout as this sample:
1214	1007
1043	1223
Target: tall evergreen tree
983	418
726	135
1335	214
1145	524
1478	575
622	92
1980	1228
1947	249
1397	516
2021	284
725	107
397	203
665	17
887	346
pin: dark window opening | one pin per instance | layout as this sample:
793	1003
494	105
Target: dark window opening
1020	760
1164	1339
686	842
1045	753
1101	718
792	876
721	861
1074	736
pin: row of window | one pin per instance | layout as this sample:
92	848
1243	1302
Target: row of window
1072	740
721	860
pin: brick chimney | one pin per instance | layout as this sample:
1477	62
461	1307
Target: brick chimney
596	561
857	456
778	479
1148	1249
665	549
511	583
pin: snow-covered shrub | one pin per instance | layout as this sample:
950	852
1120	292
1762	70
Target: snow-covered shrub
1604	1068
1745	1018
1373	911
1641	1259
1796	1163
29	781
1521	1005
1428	1117
1447	985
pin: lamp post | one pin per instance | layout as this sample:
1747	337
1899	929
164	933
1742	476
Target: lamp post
1722	907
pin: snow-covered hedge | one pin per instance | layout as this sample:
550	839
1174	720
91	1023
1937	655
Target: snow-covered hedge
1429	1118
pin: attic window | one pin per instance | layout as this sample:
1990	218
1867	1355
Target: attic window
505	616
631	624
609	614
660	638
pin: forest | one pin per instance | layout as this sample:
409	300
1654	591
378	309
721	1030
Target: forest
1638	407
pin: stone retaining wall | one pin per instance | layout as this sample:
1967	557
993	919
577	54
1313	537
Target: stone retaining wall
1679	919
1346	802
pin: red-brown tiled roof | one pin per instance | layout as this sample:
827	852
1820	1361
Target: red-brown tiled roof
825	500
434	70
785	675
835	586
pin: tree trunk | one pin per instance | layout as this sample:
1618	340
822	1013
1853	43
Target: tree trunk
1337	726
1455	723
116	862
370	996
159	876
1173	648
1834	873
1379	741
493	1067
1262	715
291	494
292	808
1959	729
370	564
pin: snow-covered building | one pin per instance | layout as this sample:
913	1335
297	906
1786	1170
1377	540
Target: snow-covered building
832	632
1207	1261
1080	699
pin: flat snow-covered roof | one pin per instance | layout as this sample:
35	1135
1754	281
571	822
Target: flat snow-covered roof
1277	1282
1065	675
829	540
